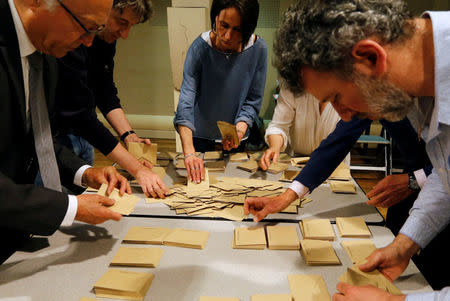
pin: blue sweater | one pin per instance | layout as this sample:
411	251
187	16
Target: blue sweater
218	86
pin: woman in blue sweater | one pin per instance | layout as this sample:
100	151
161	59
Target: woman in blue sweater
223	79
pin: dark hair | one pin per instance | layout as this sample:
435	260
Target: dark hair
142	8
248	10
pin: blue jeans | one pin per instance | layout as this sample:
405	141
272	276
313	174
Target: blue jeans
77	145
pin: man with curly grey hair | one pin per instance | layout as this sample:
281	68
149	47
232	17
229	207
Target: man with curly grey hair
371	58
86	82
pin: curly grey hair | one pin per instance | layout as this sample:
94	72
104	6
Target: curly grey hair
143	9
321	34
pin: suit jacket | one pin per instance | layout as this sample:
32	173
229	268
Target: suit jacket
25	208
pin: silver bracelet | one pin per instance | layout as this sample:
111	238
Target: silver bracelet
189	155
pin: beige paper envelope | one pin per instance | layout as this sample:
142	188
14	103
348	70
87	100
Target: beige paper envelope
299	160
256	155
137	257
284	158
160	171
342	186
207	298
282	238
279	297
358	250
142	150
228	131
167	155
318	252
290	209
235	213
234	199
214	155
308	288
238	157
352	227
249	238
215	166
289	175
202	186
122	284
342	172
146	235
123	204
187	238
250	166
179	164
317	229
277	167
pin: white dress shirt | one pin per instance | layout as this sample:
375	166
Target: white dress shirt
27	48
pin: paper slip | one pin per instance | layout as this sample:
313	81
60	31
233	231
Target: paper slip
342	172
289	175
123	204
249	238
284	297
187	238
358	250
284	158
228	131
215	166
145	151
277	167
146	235
308	288
120	284
318	252
317	229
342	186
202	186
352	227
250	166
282	238
238	157
215	155
137	257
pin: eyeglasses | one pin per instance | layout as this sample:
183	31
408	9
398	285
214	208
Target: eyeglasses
99	29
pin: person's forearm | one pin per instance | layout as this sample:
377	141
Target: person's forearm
186	139
120	155
276	142
118	121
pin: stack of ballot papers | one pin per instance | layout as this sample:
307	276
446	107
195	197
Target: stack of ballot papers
172	237
224	197
282	238
214	155
318	252
144	151
358	250
216	166
228	131
137	257
355	276
120	284
279	297
249	238
352	227
207	298
238	157
317	229
123	204
308	288
342	186
250	166
277	167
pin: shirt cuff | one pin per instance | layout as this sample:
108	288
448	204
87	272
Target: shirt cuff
421	177
421	296
300	189
71	211
418	231
79	175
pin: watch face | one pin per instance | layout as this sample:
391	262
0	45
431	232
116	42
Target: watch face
413	183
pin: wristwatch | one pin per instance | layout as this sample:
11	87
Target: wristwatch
412	182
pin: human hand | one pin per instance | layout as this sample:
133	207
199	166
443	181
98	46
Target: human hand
195	167
151	183
136	138
390	191
241	129
348	292
93	209
393	259
95	177
270	154
261	207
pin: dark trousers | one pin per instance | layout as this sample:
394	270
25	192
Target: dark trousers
433	260
206	145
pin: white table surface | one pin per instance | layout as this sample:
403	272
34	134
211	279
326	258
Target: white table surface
68	268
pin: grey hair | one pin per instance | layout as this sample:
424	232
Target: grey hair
143	9
321	34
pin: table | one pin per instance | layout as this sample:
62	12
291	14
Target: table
326	204
68	268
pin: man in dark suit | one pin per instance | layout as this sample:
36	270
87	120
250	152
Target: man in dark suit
53	28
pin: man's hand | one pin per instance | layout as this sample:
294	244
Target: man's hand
390	191
95	177
241	129
393	259
271	154
195	168
348	292
92	209
261	207
151	183
136	138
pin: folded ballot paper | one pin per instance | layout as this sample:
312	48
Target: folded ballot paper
123	204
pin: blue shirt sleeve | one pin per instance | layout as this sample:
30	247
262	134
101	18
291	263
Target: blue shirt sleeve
252	104
442	295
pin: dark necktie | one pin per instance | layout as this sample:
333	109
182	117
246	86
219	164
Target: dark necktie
41	125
